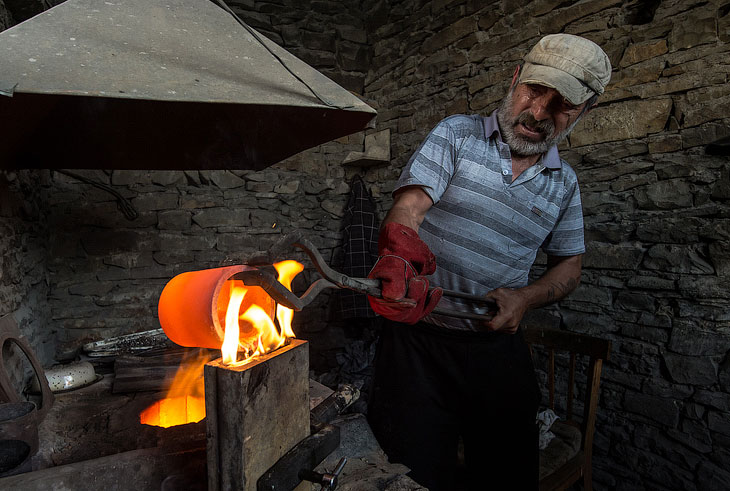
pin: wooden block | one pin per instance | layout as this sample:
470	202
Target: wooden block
255	413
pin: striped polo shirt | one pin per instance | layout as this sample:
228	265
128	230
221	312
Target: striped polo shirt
484	229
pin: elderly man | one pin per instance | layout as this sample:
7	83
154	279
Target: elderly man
471	209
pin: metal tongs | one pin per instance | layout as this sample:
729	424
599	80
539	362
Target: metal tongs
331	279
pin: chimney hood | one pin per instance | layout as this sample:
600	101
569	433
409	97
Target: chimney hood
159	84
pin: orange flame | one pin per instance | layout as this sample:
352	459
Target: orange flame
251	333
261	334
229	349
287	271
185	399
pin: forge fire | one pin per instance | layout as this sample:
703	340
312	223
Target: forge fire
207	309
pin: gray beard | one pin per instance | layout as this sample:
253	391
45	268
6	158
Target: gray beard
519	145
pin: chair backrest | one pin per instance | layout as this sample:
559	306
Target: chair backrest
597	350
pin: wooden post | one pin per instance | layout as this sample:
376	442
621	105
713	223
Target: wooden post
255	414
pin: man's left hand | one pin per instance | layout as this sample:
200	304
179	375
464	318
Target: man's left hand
511	305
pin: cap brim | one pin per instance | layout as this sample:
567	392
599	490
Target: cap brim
568	86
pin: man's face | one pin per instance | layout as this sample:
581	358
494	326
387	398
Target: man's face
533	118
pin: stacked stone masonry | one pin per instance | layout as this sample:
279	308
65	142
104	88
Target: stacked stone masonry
656	205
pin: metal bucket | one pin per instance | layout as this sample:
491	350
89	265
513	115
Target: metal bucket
18	437
193	305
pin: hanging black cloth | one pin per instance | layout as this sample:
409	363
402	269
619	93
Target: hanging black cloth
359	248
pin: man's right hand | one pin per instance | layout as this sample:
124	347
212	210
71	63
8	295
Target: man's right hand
404	260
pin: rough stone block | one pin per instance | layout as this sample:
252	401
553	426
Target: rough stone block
497	45
194	202
333	207
128	177
621	121
182	242
611	152
638	52
694	435
661	410
677	259
557	19
692	31
221	217
173	257
645	333
624	183
263	218
655	440
718	400
260	187
721	188
665	143
155	201
645	282
166	177
693	370
192	177
352	57
679	83
697	342
710	476
238	242
704	287
665	195
105	242
636	302
647	71
226	179
349	33
174	220
704	134
289	187
449	35
132	259
723	28
613	256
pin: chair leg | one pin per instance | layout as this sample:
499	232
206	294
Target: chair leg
587	479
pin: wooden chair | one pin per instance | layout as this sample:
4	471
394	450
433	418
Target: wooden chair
568	456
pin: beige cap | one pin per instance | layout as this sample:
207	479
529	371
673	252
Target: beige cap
574	66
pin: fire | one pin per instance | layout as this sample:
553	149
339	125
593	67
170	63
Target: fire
185	399
287	271
250	333
259	334
229	349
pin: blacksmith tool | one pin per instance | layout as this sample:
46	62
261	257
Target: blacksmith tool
331	279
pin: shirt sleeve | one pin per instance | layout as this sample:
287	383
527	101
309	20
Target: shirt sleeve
432	165
566	238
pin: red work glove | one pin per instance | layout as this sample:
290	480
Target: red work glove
404	260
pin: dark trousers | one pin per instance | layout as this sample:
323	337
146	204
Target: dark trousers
434	385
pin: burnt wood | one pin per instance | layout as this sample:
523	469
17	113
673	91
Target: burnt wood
255	414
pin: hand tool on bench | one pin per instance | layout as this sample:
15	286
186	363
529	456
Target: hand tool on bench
332	279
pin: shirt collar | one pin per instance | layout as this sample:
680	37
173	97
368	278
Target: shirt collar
551	159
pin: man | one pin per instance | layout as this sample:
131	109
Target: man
478	199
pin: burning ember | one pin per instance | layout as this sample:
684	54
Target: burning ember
247	315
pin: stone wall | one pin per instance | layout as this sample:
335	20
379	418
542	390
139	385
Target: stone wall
107	272
23	270
656	204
